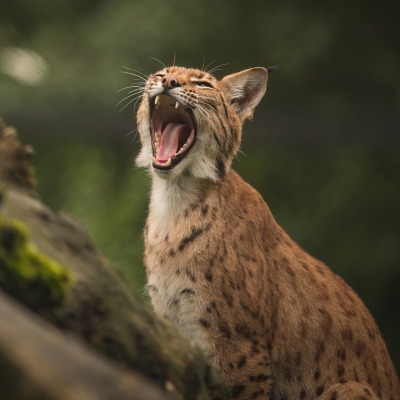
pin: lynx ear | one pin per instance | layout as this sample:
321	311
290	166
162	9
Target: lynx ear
245	89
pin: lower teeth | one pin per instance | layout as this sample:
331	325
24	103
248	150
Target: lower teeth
166	164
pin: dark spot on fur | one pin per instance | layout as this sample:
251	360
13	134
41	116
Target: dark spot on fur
228	299
225	331
327	320
320	351
333	395
347	334
258	378
220	166
317	374
187	290
241	362
216	139
187	239
171	253
356	377
351	313
371	335
255	315
246	257
367	392
152	288
175	302
208	276
341	353
359	348
244	306
254	348
237	390
190	274
205	323
204	209
320	390
340	371
290	270
320	270
243	330
303	394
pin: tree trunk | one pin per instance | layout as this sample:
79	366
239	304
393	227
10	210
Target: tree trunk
49	263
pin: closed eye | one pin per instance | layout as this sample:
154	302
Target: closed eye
203	84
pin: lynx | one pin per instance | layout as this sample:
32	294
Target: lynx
276	322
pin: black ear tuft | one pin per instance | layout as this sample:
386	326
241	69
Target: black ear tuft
272	68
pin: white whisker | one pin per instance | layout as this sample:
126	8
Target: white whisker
173	62
159	61
141	86
141	74
129	96
205	98
133	97
216	68
133	74
129	102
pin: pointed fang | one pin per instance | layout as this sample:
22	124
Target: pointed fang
176	105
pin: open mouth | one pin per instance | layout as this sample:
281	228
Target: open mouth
173	131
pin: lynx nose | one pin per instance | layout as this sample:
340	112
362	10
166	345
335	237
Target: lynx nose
170	81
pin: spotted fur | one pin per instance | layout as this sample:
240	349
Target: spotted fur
275	321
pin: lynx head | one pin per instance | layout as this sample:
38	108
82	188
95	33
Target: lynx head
191	123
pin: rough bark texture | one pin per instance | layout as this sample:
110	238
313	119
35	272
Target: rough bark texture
49	263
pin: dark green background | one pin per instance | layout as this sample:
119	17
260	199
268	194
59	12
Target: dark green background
323	148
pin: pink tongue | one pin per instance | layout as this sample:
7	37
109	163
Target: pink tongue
170	141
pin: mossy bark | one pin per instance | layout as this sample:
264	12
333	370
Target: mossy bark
26	274
87	296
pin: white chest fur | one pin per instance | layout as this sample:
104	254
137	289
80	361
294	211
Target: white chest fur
172	282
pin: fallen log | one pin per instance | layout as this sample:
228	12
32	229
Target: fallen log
40	362
68	282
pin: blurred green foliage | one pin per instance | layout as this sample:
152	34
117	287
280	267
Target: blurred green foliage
323	148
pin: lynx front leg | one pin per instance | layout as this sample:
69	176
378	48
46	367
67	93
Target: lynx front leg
248	375
349	391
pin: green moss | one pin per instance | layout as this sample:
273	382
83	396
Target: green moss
26	274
